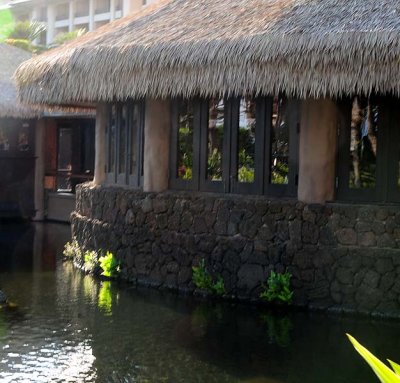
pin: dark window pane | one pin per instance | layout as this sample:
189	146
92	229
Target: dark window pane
363	144
279	142
134	138
246	140
23	141
111	140
185	140
4	142
64	168
215	138
122	139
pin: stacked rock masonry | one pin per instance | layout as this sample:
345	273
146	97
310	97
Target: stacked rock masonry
342	257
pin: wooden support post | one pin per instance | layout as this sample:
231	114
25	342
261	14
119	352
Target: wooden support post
317	151
157	145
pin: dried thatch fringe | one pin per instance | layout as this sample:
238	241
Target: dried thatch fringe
206	47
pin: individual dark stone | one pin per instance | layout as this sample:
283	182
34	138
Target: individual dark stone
344	276
250	276
147	205
366	214
384	265
367	239
282	231
199	225
160	205
310	233
184	275
371	279
309	216
386	240
347	236
381	213
186	221
220	227
387	281
249	227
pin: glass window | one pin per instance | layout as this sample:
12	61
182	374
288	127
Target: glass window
64	170
246	140
184	166
122	138
215	138
111	140
363	144
4	143
279	142
134	138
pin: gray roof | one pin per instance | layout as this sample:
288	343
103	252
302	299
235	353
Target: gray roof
10	58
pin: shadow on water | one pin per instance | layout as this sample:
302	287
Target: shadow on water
71	327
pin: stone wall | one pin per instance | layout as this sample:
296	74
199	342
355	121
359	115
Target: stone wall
342	257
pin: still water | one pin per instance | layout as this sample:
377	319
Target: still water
69	327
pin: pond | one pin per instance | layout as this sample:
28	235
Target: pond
69	327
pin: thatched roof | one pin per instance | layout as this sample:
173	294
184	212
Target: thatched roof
10	58
189	47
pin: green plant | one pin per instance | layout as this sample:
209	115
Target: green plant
72	250
245	174
109	265
203	280
90	259
66	37
219	286
383	372
277	288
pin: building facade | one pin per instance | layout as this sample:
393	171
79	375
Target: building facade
62	16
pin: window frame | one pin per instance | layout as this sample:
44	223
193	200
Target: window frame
343	190
114	176
262	160
174	181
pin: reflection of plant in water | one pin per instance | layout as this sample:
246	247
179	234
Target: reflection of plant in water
89	288
279	329
105	297
203	315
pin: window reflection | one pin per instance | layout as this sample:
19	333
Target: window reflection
215	138
4	143
246	140
122	139
64	170
279	142
134	138
363	144
185	140
111	145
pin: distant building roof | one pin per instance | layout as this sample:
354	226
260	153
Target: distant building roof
11	57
